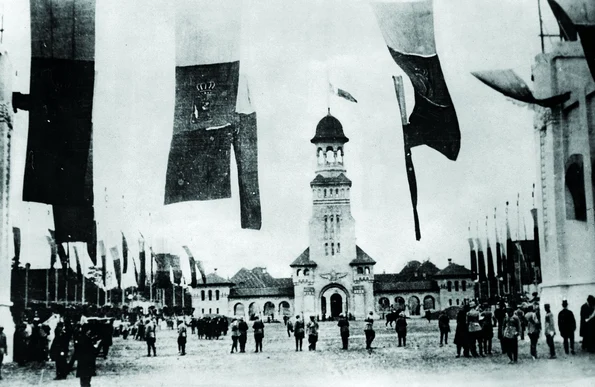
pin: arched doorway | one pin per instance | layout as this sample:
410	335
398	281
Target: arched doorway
238	310
253	310
334	301
429	303
414	306
269	310
399	303
336	305
284	308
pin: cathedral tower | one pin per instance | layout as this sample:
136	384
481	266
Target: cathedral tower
338	275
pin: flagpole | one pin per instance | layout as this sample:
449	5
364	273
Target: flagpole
56	282
67	272
47	287
27	266
498	268
487	261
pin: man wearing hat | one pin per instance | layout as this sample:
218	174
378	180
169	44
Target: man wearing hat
567	326
344	329
3	348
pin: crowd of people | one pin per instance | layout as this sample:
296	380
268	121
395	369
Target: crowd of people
90	332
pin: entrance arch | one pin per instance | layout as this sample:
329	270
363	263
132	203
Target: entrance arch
414	306
269	309
238	310
284	308
334	301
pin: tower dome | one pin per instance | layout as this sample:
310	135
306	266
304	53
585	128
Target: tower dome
329	129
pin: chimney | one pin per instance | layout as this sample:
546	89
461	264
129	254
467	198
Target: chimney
449	261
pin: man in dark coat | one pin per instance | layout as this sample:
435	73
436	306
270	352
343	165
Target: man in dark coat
500	315
586	333
21	344
85	353
344	330
567	326
243	329
258	327
461	332
59	351
444	326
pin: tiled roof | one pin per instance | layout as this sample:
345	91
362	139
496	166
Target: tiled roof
382	285
454	270
213	278
362	258
261	292
304	260
258	278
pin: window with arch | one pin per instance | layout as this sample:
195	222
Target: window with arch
306	271
325	192
450	302
203	310
338	248
449	286
297	273
333	248
457	301
210	296
210	310
217	296
576	203
217	310
326	248
330	155
456	286
464	285
367	270
337	192
202	295
360	270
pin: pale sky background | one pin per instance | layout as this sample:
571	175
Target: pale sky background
286	49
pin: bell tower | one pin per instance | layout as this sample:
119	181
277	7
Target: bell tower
332	231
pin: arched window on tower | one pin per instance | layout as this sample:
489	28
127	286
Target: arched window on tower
306	271
360	270
340	155
337	192
367	270
325	225
331	219
326	249
330	155
325	192
320	156
332	249
576	203
338	248
297	273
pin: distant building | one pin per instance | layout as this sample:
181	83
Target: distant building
333	275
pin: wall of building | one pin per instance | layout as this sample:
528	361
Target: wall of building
567	244
392	297
449	298
260	307
212	306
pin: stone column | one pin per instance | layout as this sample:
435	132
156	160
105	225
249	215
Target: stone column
5	226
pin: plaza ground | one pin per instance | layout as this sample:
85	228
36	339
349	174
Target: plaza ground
422	363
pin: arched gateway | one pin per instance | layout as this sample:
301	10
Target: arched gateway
334	300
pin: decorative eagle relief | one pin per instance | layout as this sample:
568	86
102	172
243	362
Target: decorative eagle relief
333	276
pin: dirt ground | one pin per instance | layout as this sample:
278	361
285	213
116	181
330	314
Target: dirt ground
422	363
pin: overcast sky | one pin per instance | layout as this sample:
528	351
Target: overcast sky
287	49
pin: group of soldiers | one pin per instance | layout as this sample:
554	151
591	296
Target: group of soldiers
475	328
